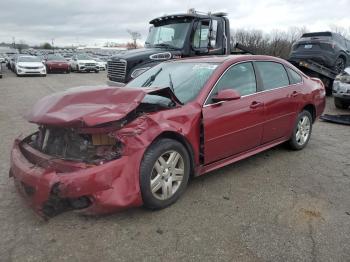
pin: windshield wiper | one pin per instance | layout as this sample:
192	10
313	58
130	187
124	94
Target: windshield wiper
151	79
171	84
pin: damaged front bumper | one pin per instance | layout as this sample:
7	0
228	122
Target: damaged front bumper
52	186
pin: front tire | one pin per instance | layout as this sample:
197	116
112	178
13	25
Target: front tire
302	131
164	173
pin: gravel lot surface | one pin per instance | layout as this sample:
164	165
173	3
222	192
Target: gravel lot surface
279	205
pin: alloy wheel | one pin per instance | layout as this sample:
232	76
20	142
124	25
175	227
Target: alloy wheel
303	130
167	175
340	65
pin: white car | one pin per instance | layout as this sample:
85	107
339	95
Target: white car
29	65
102	65
84	63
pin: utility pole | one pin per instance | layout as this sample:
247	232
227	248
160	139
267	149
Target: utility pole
52	42
14	42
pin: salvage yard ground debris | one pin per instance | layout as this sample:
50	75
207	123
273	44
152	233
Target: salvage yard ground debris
275	206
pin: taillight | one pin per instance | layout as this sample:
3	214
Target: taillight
327	45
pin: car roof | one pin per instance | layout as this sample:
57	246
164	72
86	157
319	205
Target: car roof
229	58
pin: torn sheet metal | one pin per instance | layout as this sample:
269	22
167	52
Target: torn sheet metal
52	185
338	119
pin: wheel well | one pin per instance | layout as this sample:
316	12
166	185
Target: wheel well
184	142
312	110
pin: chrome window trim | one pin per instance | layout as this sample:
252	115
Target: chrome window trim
258	92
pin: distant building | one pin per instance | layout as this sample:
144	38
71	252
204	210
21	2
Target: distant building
8	50
97	48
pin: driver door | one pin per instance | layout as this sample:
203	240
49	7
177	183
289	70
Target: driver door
233	127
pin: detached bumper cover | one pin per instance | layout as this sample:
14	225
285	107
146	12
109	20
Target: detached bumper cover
108	187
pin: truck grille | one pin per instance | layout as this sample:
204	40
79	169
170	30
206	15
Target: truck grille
117	69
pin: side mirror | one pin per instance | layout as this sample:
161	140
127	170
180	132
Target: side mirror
226	95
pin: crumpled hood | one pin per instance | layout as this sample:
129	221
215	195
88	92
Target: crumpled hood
90	106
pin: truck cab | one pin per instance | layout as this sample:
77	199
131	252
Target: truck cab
171	37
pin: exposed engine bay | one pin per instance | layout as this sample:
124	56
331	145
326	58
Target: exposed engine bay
68	144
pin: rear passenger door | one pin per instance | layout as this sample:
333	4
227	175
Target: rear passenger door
280	99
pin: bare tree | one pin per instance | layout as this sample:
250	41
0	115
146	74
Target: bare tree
134	36
277	43
340	30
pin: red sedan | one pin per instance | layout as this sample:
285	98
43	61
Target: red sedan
100	150
57	63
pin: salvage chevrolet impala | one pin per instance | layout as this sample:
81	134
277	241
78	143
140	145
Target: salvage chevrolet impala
102	149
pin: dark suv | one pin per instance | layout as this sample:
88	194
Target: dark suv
329	49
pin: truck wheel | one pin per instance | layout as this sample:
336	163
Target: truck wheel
164	173
302	131
97	71
340	104
339	65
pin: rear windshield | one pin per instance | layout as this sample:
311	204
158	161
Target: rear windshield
317	34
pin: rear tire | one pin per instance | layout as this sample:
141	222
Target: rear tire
340	104
164	173
302	131
339	65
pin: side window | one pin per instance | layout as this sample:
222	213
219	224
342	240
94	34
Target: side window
239	77
200	38
273	75
294	77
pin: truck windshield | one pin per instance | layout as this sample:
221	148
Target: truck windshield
186	79
171	35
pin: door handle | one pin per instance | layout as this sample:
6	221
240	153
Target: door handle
294	93
255	105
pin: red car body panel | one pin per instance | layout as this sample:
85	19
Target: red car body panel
214	135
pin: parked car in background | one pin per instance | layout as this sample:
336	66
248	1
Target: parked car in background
84	63
2	59
327	48
29	65
341	90
57	63
11	62
102	65
102	149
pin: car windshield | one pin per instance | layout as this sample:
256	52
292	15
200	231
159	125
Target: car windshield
29	59
83	57
169	35
55	58
186	79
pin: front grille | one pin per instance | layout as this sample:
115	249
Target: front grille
30	67
90	64
117	69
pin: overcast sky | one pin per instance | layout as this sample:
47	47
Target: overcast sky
95	22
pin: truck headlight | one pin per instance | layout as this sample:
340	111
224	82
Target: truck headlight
139	71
